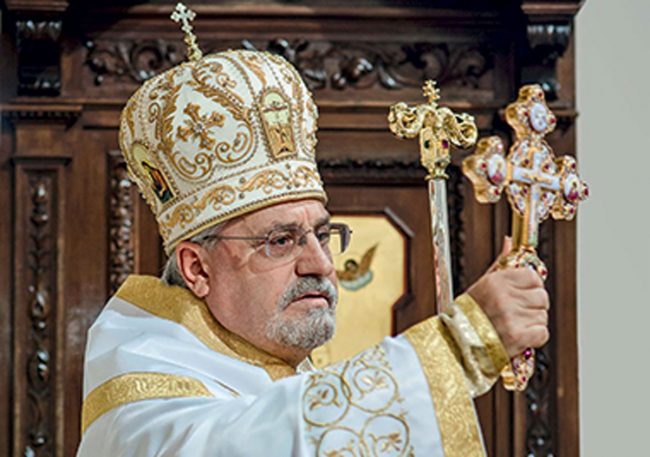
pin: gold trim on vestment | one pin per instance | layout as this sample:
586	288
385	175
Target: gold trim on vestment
485	331
132	387
451	400
179	305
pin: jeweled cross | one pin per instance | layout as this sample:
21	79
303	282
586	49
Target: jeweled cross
437	128
182	14
537	184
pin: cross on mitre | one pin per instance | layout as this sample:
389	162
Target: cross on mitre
183	15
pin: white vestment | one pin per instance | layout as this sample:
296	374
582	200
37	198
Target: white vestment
163	378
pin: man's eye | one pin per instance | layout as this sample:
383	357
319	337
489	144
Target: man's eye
323	236
281	240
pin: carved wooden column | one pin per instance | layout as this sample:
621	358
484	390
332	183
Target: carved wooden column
39	162
121	222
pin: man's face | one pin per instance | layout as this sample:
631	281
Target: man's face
284	306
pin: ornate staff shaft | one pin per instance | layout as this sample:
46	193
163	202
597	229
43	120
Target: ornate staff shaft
537	185
437	128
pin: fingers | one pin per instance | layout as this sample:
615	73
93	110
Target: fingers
534	299
523	278
532	337
537	337
532	317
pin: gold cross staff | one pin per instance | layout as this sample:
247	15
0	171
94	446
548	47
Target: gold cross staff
537	185
182	14
437	128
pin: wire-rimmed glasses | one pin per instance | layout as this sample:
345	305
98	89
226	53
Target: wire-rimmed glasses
288	242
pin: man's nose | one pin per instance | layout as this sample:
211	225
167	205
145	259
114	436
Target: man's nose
314	259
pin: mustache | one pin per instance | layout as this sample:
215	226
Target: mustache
309	284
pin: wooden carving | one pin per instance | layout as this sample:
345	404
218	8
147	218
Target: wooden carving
39	433
121	223
322	64
39	56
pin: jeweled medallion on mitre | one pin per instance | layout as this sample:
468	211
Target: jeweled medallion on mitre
275	112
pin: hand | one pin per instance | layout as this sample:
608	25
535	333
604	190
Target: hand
516	303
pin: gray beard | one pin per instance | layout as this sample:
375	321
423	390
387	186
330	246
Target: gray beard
306	331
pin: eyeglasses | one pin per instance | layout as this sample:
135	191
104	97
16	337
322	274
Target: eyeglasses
288	242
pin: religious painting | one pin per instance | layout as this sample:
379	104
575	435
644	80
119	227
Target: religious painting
372	277
276	118
151	173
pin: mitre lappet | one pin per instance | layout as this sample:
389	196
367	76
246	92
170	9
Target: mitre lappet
219	136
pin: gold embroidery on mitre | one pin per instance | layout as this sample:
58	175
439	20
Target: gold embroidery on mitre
270	180
275	112
132	387
254	64
211	81
221	196
217	122
197	126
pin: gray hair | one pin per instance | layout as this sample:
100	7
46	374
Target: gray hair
171	274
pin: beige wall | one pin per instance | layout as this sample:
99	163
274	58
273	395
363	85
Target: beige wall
613	72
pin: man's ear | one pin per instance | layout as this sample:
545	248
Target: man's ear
193	266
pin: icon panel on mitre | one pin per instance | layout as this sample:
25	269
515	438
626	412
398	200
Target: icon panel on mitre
275	112
148	171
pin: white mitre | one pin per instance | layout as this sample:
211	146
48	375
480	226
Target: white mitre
220	136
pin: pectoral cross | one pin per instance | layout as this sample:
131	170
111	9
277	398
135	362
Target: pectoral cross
437	128
182	14
537	185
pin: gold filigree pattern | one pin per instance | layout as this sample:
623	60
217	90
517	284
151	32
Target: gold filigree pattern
269	180
266	181
220	93
216	122
197	126
132	387
451	400
254	64
363	392
486	332
184	214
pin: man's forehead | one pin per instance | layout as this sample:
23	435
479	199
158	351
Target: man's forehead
302	212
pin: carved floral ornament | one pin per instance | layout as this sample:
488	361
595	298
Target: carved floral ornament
322	64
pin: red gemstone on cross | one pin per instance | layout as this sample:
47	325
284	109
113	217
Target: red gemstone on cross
497	178
585	190
445	144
